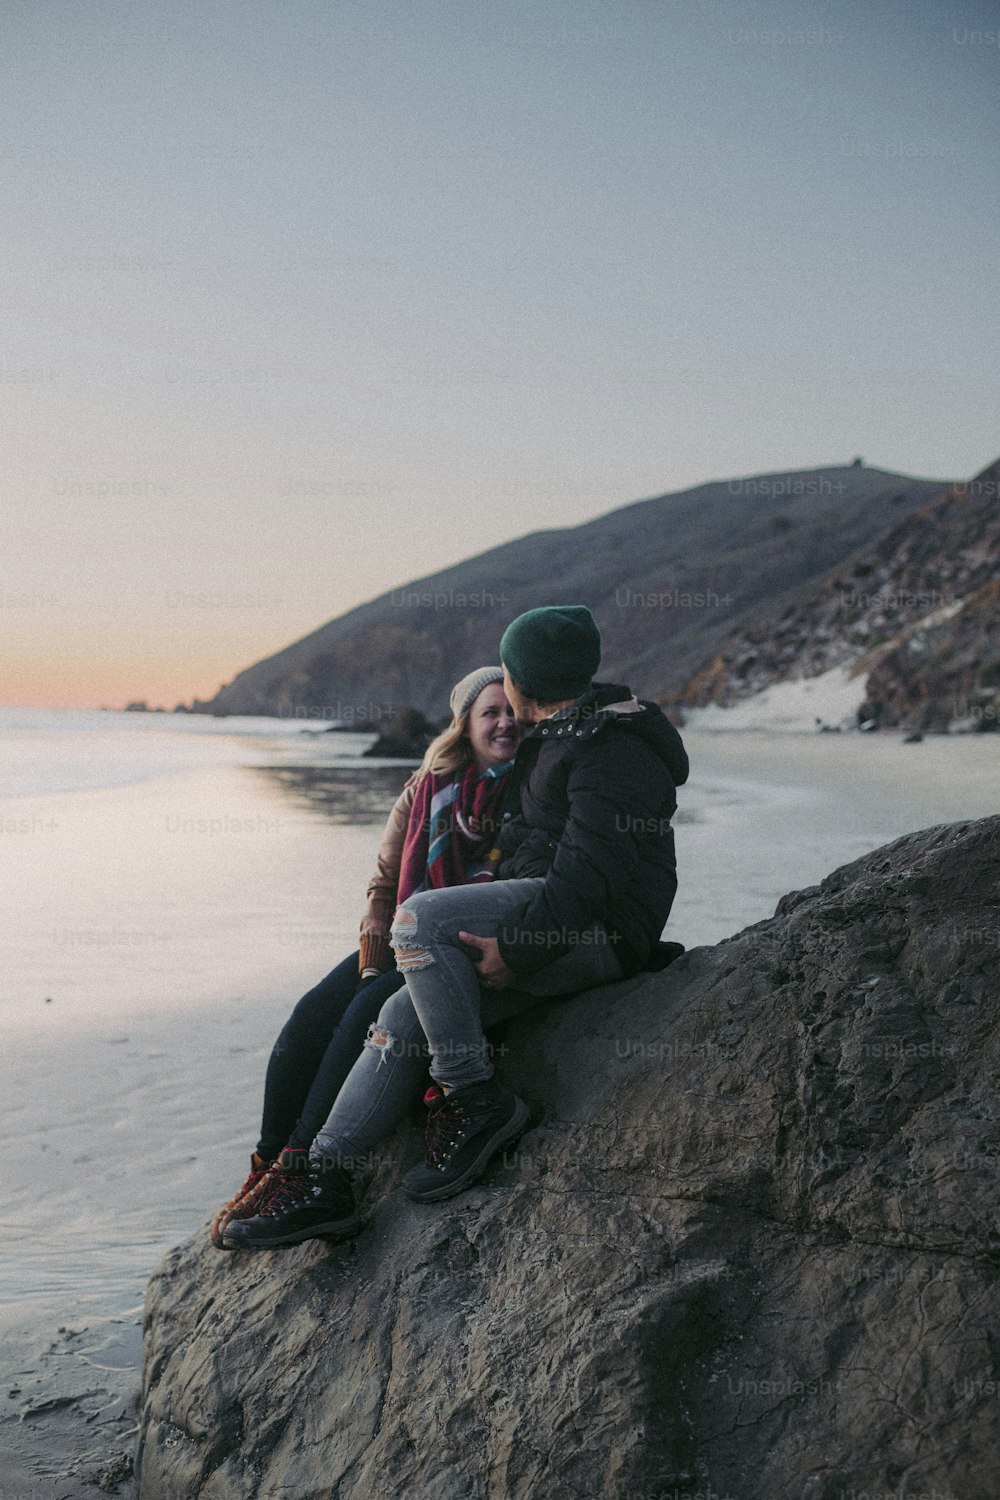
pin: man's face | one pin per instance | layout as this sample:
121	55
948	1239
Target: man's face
516	700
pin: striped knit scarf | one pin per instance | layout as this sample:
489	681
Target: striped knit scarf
452	830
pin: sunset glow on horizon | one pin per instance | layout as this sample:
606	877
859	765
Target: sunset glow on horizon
303	303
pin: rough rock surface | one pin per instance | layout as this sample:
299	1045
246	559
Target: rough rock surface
750	1249
944	675
918	610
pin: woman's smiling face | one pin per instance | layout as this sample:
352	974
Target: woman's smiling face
492	728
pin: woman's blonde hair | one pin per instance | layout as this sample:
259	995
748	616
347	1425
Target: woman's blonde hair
450	751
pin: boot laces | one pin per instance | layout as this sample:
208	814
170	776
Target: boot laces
253	1177
293	1192
448	1126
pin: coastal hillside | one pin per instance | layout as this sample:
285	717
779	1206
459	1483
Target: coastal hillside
748	1247
668	580
915	614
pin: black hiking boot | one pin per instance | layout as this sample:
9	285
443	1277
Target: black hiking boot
314	1204
465	1129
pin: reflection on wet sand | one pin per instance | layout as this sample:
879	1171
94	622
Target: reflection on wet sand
344	794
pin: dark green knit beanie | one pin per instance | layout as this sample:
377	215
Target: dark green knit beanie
552	653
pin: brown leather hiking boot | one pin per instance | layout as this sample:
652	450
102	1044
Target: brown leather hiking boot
261	1181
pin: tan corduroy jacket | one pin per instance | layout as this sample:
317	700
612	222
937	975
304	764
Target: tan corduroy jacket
375	950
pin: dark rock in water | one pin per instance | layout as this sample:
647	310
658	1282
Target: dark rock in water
406	737
750	1249
363	726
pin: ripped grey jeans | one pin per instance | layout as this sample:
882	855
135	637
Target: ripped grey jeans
440	1014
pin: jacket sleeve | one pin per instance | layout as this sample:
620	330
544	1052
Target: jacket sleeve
617	791
378	914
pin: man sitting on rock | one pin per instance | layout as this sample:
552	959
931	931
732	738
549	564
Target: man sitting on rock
585	884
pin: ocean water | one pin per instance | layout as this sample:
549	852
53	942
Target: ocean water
157	862
170	885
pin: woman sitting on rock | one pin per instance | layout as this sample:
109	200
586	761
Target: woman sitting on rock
441	832
585	881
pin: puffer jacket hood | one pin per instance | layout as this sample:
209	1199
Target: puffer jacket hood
606	703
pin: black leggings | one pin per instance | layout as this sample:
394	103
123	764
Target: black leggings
318	1046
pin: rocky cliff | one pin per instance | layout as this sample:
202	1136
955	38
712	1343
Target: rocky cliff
918	610
944	673
749	1250
668	579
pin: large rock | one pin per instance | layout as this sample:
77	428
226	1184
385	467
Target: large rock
750	1250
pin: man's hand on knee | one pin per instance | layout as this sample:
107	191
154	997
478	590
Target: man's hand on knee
492	970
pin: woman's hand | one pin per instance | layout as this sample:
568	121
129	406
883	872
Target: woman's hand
492	970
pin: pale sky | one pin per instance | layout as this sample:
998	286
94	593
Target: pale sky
305	299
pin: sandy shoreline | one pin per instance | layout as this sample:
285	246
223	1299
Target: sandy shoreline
131	1125
105	1188
70	1407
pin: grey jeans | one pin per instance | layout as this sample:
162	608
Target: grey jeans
440	1013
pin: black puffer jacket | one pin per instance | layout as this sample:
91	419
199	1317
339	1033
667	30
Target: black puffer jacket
591	799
